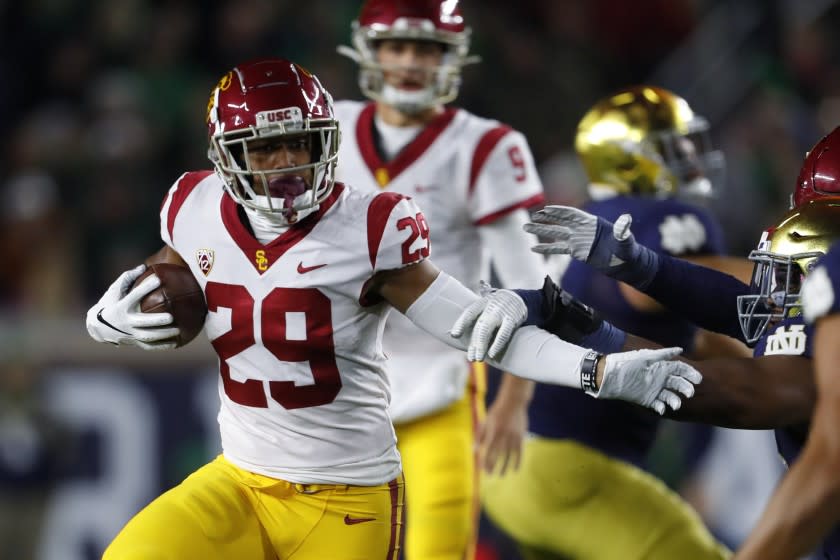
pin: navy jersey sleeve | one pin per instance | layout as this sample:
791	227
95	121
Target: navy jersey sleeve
822	286
701	295
704	296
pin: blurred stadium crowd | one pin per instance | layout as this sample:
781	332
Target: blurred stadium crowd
103	103
102	107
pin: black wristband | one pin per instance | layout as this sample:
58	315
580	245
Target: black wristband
589	372
565	315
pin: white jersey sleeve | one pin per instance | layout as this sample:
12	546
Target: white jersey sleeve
174	200
398	234
513	261
503	176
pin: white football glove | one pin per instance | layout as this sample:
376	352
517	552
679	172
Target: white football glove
649	378
116	318
607	247
572	231
493	319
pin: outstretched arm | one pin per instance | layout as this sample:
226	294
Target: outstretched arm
752	393
748	393
767	392
704	296
433	300
804	507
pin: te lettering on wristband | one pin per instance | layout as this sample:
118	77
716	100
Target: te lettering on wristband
589	372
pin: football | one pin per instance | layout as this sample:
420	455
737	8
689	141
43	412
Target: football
178	294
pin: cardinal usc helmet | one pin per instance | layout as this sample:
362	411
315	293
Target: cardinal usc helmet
647	140
259	106
819	176
785	255
438	21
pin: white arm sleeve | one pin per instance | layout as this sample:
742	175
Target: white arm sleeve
510	247
532	353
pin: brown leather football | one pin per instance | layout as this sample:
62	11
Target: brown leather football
178	294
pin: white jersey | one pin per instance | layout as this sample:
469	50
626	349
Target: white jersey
303	388
463	171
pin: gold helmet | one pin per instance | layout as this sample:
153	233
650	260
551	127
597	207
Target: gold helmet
647	140
785	255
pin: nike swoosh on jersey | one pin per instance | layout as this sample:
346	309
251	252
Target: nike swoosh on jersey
354	520
304	269
107	324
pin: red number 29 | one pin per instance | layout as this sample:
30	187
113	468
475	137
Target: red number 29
316	347
419	228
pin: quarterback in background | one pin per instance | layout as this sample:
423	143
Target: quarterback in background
473	178
299	273
641	147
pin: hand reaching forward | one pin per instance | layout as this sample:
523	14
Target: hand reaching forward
649	378
608	247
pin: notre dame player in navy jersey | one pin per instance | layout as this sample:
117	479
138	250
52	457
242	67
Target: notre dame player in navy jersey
784	326
667	225
639	146
775	389
804	507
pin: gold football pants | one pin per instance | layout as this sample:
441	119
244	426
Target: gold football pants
223	512
440	466
568	501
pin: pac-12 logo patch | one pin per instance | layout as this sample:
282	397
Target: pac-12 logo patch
205	258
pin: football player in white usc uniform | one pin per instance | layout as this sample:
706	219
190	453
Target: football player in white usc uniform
304	272
474	179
